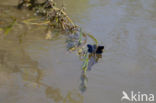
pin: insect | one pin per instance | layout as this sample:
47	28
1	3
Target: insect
95	49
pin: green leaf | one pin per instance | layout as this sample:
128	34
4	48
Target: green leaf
80	39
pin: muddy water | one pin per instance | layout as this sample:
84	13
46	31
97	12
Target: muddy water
34	70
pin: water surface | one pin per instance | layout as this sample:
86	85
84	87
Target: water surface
36	70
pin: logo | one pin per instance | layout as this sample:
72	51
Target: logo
137	97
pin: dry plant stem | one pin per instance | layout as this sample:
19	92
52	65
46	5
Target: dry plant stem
59	18
51	8
29	21
65	15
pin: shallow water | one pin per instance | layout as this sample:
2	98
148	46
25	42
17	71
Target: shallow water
35	70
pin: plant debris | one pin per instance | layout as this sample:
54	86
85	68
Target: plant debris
57	18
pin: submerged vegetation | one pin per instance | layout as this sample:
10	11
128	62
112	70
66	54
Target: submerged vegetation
57	19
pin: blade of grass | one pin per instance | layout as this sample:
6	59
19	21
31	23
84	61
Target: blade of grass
30	21
93	38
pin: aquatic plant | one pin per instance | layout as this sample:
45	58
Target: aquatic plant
56	18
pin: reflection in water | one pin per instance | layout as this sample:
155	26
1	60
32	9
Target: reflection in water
89	57
56	95
15	60
71	97
126	27
84	80
93	58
